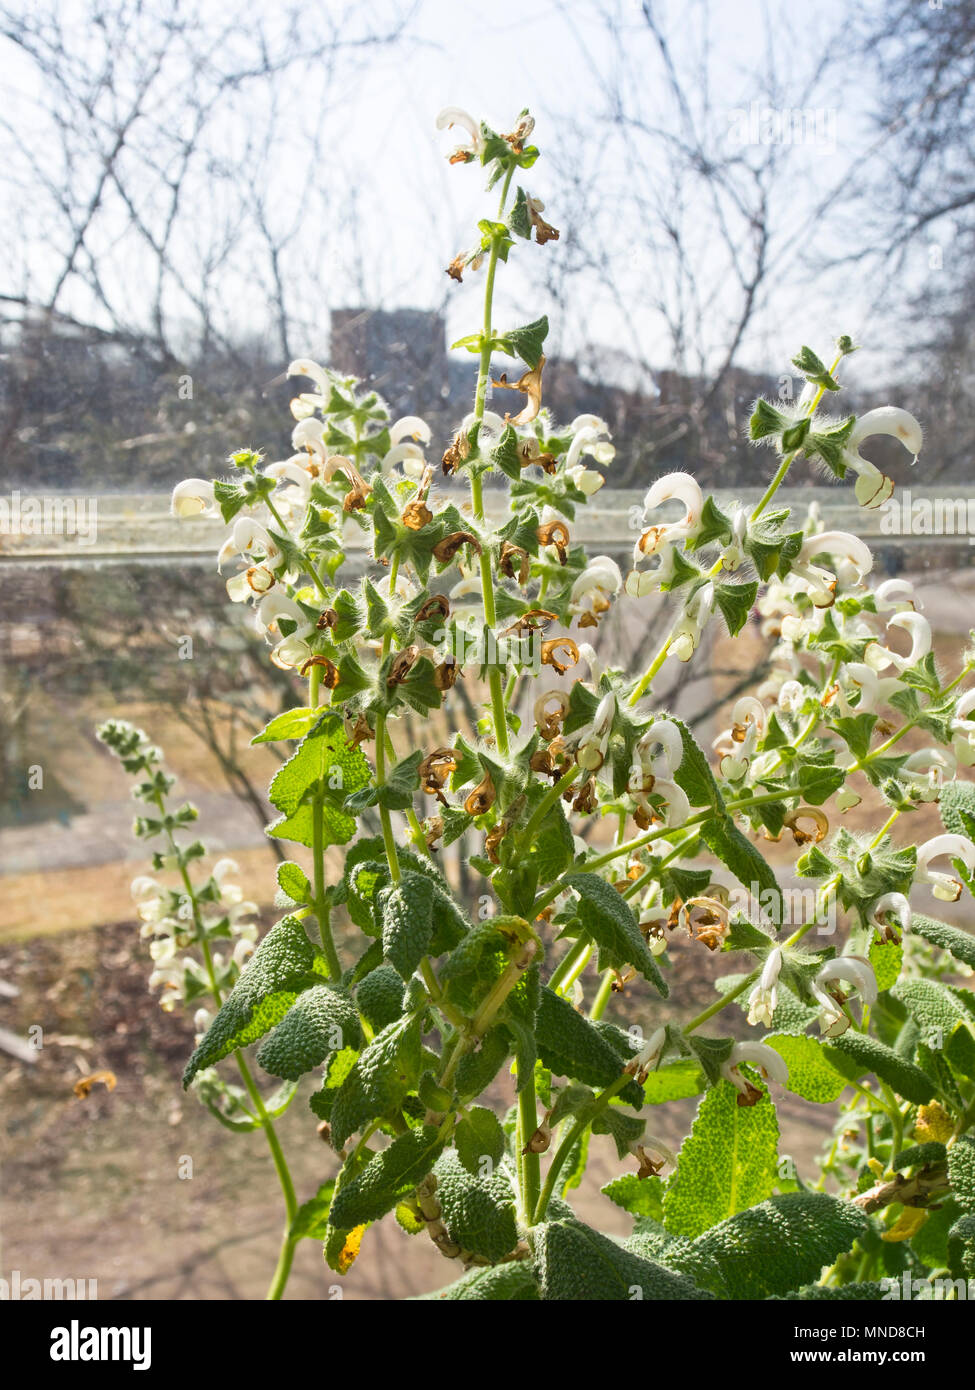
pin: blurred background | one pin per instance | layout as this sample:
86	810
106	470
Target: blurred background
193	196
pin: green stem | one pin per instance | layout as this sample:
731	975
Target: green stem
568	1144
529	1163
495	681
385	820
277	1154
322	911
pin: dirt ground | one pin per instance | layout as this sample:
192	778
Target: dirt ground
92	1188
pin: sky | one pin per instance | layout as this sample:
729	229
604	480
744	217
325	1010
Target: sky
377	214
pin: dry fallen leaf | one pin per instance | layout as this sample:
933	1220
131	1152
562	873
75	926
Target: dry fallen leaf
82	1088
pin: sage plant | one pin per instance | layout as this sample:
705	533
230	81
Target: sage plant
434	1005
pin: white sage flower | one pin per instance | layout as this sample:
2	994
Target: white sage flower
593	591
452	116
755	1054
193	497
765	996
853	970
944	887
873	487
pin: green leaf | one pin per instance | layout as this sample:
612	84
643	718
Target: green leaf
611	923
961	1248
735	602
284	964
478	1069
960	944
386	1178
918	1155
961	1171
772	1248
957	806
293	723
406	911
638	1196
380	1078
479	1137
818	782
508	1283
397	791
576	1264
746	862
674	1081
293	882
765	420
324	769
811	1073
856	1053
570	1045
311	1218
934	1008
813	369
379	996
322	1020
727	1162
527	342
479	1212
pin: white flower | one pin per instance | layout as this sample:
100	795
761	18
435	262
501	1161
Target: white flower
588	433
587	654
873	487
309	435
408	454
760	1055
765	996
675	800
304	366
193	497
749	725
594	740
647	1059
945	888
855	971
895	595
933	764
292	470
821	583
249	539
595	587
963	730
456	115
685	489
291	650
919	629
409	427
734	552
690	626
663	734
895	903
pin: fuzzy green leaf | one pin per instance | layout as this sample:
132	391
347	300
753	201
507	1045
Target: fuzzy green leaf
321	1021
386	1178
727	1162
284	964
576	1264
611	923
